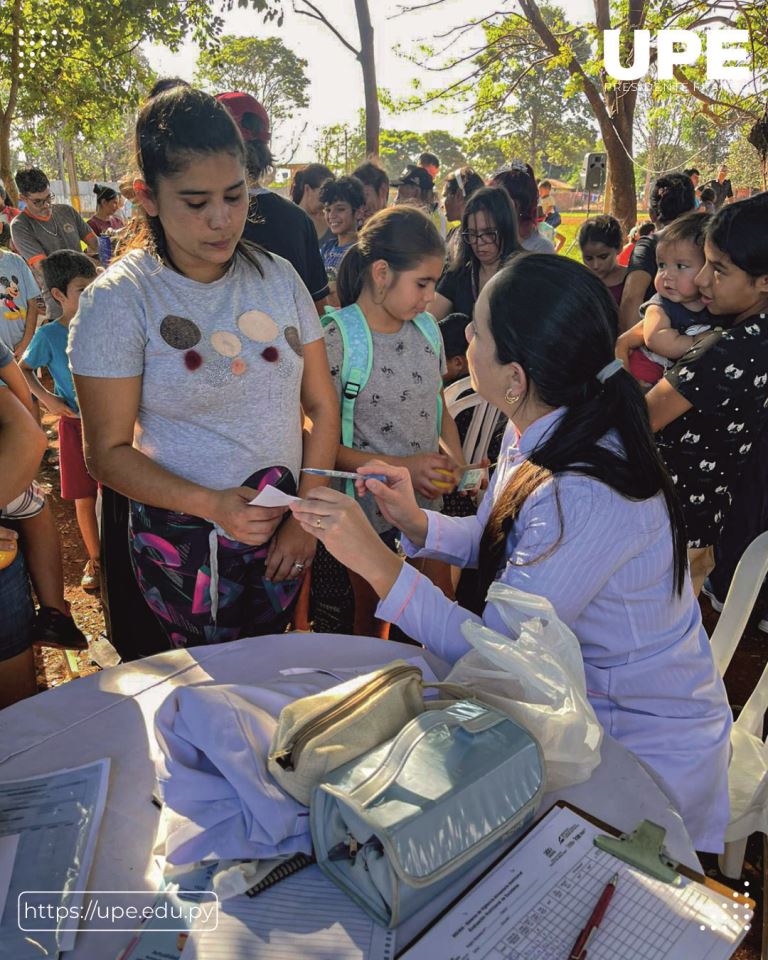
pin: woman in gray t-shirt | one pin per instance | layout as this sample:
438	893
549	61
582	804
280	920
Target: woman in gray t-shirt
193	357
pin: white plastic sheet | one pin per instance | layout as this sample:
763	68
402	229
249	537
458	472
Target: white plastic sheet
536	675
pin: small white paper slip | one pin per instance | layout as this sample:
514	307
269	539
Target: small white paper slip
272	497
8	847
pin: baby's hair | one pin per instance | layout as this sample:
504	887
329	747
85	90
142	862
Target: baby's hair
313	175
31	180
603	229
741	230
344	190
646	229
707	194
64	266
172	129
690	228
402	236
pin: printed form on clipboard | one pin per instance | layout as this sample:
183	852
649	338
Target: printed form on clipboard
538	897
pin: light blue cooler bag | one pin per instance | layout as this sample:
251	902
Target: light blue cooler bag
396	826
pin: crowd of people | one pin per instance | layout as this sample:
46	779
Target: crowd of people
230	339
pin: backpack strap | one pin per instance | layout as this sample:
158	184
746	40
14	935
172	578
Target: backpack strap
357	360
428	328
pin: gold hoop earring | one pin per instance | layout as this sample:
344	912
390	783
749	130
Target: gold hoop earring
512	398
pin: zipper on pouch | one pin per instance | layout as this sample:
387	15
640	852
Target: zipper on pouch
288	757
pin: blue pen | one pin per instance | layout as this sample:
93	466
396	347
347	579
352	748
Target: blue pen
343	474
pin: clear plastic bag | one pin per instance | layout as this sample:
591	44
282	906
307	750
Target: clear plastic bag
535	675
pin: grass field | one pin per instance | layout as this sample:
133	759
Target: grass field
570	227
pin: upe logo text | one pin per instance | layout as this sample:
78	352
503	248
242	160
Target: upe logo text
726	53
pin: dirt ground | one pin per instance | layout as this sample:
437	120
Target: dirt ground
54	667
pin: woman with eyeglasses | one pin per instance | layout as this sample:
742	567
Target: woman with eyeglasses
44	226
488	236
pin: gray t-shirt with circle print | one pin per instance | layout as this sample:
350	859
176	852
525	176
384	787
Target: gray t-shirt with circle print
221	362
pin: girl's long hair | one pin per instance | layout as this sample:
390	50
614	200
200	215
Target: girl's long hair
171	130
403	236
554	318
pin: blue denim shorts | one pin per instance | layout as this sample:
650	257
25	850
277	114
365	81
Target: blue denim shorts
18	612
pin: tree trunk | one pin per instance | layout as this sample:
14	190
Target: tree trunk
6	174
616	129
74	187
367	60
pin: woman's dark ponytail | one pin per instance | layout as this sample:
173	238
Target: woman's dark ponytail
554	318
297	187
350	279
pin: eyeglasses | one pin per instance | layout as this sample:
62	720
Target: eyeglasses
41	201
480	236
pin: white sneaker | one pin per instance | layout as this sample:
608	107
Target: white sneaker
709	593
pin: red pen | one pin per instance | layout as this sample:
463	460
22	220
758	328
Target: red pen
579	950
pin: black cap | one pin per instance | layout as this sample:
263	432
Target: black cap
414	176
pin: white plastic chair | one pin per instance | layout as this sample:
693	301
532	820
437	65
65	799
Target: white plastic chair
483	423
748	770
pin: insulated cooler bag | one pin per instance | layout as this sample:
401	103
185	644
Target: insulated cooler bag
399	824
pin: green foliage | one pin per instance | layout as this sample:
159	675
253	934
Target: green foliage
266	68
519	100
342	147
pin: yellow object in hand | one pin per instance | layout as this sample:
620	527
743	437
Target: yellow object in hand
448	484
7	556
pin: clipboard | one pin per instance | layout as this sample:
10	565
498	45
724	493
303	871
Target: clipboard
702	912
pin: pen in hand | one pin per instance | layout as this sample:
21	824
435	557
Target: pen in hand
579	949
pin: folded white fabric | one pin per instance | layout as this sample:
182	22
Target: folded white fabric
219	801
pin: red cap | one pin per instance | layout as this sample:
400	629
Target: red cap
248	114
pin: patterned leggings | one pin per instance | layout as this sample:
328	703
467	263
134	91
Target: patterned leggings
199	598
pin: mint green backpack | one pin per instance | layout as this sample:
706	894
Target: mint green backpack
357	360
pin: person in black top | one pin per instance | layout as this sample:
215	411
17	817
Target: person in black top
712	405
672	196
722	187
488	236
276	224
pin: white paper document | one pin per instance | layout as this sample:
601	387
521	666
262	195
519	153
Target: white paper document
302	916
272	497
537	900
56	818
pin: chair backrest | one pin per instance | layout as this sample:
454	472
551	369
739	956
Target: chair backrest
742	596
484	418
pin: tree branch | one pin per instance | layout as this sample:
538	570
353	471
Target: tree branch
710	102
318	14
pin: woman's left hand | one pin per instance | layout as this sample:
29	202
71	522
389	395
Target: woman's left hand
341	526
290	553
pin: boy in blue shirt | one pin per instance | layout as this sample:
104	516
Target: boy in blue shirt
67	273
18	303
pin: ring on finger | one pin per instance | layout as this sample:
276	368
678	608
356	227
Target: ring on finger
298	564
319	523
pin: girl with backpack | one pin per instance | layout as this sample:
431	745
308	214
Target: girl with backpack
387	361
194	356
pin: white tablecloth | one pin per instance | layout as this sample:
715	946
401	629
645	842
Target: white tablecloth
110	714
